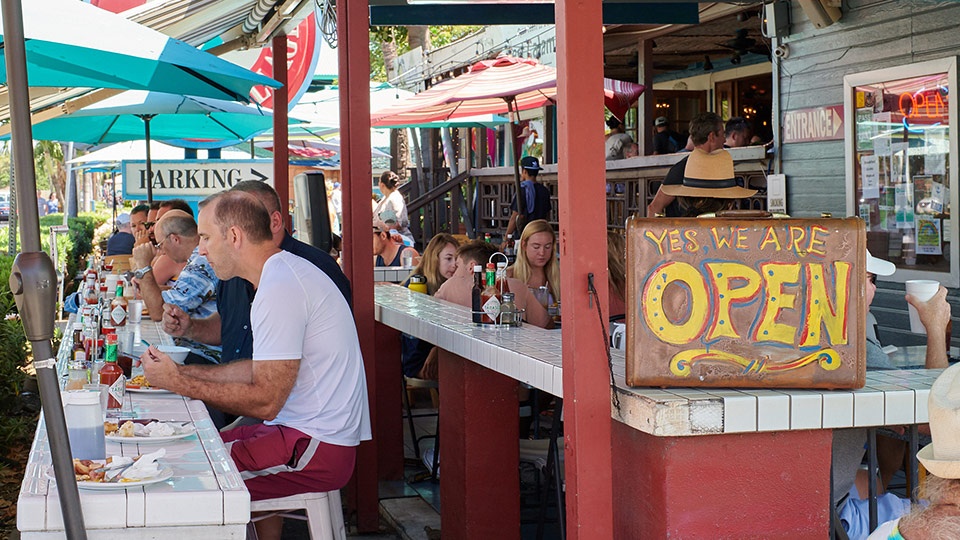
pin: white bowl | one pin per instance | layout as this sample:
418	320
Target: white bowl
176	353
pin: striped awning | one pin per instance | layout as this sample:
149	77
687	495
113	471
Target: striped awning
488	88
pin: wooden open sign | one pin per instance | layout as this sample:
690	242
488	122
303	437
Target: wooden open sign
772	303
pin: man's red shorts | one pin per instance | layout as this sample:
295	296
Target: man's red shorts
279	461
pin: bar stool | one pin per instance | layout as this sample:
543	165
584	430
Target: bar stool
324	513
411	383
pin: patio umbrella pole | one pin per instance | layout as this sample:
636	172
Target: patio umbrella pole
33	276
146	135
521	204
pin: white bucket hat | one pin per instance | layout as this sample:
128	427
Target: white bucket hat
942	457
879	267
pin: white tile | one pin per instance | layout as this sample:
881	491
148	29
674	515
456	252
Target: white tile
806	409
837	410
31	512
773	410
189	501
867	408
236	507
921	405
899	407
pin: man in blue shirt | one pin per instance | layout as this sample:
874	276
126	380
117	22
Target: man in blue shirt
230	326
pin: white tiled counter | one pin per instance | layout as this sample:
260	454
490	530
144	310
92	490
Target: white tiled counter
390	274
533	356
205	497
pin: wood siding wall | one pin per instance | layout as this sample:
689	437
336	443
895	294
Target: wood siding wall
872	34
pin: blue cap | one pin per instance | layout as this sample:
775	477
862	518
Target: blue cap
530	163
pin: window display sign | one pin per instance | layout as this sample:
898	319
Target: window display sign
900	172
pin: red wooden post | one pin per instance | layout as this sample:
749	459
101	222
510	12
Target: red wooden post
583	217
750	485
354	61
479	451
281	165
389	435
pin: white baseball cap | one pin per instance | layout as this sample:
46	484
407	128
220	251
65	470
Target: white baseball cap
879	267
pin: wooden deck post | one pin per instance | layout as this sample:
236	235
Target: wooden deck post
281	159
356	175
583	216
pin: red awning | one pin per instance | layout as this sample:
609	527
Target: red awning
487	88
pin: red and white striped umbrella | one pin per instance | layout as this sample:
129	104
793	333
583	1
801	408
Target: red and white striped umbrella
488	87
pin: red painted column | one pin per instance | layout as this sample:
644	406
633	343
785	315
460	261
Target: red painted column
389	435
479	452
583	218
281	165
354	68
751	485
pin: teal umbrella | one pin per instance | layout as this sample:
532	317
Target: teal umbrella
75	44
137	115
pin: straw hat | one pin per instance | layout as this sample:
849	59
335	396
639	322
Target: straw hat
708	175
942	458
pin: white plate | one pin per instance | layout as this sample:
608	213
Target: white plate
185	432
165	474
150	390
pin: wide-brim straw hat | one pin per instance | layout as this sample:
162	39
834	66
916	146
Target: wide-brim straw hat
708	175
942	457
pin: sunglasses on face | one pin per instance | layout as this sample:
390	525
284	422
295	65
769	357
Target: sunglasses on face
872	278
148	224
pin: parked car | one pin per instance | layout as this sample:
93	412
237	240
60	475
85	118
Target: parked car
4	207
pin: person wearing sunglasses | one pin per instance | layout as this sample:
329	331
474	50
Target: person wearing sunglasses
195	290
849	484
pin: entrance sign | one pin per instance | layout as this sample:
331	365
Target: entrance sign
816	124
191	177
746	302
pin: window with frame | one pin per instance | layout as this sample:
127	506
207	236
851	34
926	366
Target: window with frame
899	174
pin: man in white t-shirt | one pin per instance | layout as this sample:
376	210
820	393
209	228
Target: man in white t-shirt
306	378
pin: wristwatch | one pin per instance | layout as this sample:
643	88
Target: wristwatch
142	272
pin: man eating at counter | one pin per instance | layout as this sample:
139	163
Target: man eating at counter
229	326
305	378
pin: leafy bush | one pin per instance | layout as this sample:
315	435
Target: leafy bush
13	344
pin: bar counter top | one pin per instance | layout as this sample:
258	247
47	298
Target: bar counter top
533	356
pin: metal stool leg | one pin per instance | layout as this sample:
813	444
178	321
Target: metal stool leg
554	473
872	467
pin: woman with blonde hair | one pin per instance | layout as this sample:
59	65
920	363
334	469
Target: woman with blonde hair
536	263
439	261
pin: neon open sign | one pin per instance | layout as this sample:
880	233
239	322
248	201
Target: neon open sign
924	104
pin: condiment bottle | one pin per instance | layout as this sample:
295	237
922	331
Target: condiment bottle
508	311
77	370
118	308
84	424
476	293
90	289
490	299
502	284
111	374
418	283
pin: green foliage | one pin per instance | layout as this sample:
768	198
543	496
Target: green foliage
440	36
13	345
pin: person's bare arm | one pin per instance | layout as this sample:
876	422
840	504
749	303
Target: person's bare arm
660	201
165	269
512	224
935	315
178	324
149	290
535	313
248	388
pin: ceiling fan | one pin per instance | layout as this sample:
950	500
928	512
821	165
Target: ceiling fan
742	44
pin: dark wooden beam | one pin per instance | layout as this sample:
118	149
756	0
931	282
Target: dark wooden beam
500	14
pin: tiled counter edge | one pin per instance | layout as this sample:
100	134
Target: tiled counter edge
533	356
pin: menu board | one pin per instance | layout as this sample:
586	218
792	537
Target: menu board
902	168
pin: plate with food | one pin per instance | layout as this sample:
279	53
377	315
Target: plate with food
139	385
147	431
117	472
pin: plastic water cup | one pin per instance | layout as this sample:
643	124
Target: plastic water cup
922	290
406	259
104	395
134	311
